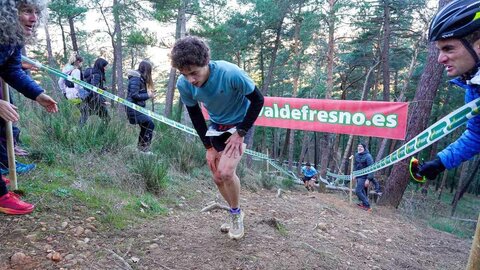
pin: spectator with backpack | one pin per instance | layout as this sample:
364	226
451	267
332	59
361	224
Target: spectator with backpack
94	103
71	90
140	86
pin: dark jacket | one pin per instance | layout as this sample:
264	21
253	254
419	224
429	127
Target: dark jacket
137	94
363	160
11	71
97	79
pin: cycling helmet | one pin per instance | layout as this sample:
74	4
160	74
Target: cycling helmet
456	20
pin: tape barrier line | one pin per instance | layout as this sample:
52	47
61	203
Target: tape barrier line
435	132
344	177
280	168
127	103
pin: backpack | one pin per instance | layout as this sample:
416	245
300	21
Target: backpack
87	75
62	83
69	84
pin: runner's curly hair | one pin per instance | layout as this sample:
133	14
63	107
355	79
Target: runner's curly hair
11	31
190	51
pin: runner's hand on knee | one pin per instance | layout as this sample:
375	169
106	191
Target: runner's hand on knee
234	146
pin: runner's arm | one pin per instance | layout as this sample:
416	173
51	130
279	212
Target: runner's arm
256	104
198	122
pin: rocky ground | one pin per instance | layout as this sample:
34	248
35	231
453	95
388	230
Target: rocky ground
297	230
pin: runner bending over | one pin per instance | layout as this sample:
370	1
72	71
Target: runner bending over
233	103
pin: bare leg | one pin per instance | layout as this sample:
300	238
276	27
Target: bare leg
226	179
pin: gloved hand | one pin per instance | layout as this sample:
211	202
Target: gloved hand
431	169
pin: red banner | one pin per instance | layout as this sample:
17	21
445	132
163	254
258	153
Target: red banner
364	118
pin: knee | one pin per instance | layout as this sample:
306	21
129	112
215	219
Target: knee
224	175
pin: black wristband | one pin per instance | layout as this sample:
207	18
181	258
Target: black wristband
241	132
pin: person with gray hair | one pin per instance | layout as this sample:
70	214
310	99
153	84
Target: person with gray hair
18	23
455	29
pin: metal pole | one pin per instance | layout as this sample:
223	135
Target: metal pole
474	259
10	151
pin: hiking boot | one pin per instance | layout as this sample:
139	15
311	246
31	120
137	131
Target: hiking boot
236	230
11	204
20	168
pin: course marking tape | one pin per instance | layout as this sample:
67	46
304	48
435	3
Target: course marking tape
129	104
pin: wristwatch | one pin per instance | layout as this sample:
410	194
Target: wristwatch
241	132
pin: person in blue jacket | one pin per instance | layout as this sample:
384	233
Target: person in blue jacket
309	175
18	22
455	29
233	103
140	89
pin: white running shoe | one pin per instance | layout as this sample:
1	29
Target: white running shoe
225	227
236	230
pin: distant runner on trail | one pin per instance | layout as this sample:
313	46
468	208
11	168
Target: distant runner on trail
309	175
18	22
456	32
233	103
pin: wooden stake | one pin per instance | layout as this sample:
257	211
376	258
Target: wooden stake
268	164
474	259
10	151
351	178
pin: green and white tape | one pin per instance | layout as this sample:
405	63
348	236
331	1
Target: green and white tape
435	132
129	104
344	177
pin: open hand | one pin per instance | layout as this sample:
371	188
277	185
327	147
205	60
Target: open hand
47	102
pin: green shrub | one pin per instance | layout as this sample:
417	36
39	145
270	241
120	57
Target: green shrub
154	171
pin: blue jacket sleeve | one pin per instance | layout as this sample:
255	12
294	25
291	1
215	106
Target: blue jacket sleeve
468	145
134	86
13	74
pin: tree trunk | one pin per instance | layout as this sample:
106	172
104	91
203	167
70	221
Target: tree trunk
181	29
442	185
271	67
118	52
64	42
327	139
51	61
418	120
296	76
73	34
386	51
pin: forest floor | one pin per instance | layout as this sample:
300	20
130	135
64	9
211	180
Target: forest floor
298	230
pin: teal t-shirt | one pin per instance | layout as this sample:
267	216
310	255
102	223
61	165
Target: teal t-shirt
223	95
309	173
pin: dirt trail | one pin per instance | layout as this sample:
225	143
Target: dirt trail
297	231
